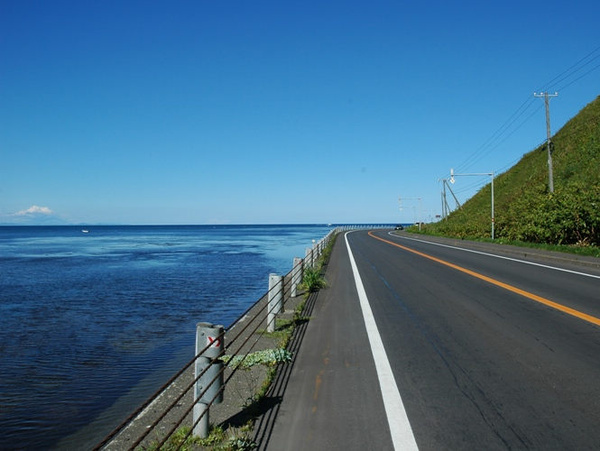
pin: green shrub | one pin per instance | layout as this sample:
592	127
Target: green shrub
312	280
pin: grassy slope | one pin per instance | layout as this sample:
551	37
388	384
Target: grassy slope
525	210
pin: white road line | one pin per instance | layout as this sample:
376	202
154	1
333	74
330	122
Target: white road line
525	262
402	434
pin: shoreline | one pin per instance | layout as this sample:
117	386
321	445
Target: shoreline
236	409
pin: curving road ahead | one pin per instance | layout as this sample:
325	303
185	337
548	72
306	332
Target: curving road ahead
485	349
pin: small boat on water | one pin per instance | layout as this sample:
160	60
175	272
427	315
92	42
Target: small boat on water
85	231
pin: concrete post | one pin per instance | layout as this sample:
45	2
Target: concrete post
296	276
275	300
308	257
211	382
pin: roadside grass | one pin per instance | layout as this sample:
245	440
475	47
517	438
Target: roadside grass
576	249
313	280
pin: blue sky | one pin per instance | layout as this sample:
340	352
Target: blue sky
200	112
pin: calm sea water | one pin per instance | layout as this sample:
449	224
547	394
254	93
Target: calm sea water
88	318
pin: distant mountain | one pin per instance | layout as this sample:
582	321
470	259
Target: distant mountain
33	221
525	210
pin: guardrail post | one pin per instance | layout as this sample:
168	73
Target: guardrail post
275	300
296	276
209	387
308	257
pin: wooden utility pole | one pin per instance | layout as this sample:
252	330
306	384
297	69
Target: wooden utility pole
546	97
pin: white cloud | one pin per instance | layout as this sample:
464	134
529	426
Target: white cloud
34	215
35	210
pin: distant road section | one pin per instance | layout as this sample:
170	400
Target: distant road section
487	351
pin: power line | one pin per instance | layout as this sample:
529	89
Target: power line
519	118
476	185
496	135
565	74
508	135
580	77
575	71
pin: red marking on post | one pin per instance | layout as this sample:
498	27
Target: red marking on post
214	342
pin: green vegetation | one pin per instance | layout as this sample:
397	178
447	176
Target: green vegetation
176	441
218	439
269	357
525	210
313	280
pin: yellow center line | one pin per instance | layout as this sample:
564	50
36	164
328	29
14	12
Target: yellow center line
534	297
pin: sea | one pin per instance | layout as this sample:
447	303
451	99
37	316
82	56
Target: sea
93	321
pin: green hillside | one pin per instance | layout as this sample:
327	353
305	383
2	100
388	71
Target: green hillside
525	210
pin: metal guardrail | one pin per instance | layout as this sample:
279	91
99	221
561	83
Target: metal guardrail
240	344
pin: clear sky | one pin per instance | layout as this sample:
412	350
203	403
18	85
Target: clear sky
201	112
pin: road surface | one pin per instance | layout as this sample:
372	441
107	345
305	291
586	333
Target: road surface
486	351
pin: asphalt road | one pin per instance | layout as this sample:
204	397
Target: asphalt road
486	352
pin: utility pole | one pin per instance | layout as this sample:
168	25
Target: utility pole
444	201
546	97
445	206
453	195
